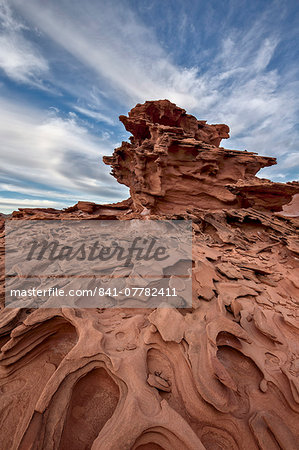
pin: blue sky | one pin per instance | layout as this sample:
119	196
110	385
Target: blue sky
69	68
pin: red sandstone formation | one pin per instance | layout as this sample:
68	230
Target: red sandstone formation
292	209
174	164
222	375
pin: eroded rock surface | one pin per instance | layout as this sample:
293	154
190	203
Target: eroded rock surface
220	375
174	163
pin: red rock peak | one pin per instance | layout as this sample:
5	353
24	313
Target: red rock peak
174	163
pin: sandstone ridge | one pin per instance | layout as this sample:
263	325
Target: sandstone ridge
173	163
220	375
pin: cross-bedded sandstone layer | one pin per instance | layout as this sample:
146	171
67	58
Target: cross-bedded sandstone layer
220	375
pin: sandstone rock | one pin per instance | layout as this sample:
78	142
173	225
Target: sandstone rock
292	208
174	163
88	207
220	375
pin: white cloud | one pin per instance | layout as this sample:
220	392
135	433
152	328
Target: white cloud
111	42
237	87
59	156
94	114
19	58
8	204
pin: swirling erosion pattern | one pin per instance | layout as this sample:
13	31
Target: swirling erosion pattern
220	376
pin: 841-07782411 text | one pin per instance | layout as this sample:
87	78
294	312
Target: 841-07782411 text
138	291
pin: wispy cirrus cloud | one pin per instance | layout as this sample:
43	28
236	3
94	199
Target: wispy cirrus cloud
94	114
112	43
20	59
132	65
